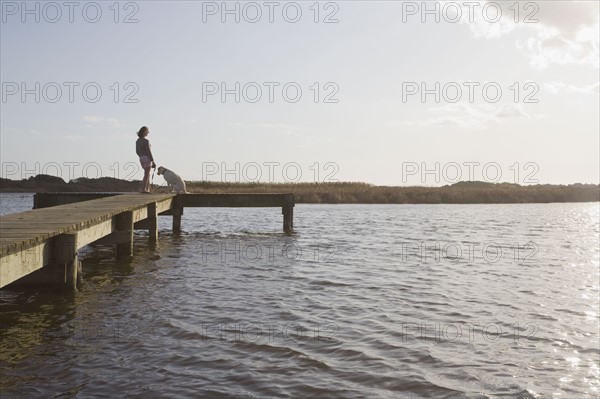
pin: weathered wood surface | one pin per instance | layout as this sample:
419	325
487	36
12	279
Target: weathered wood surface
229	200
34	240
22	230
43	243
235	200
42	200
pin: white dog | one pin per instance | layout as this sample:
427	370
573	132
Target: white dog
174	181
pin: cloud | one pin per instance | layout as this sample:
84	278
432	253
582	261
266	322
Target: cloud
550	47
471	117
510	111
283	128
568	17
560	87
95	120
276	125
289	130
73	137
562	32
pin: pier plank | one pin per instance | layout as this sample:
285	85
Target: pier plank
29	240
20	230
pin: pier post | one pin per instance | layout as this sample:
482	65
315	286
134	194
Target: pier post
152	223
125	224
288	214
63	270
177	212
66	259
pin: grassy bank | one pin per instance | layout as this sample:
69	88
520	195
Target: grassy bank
459	193
337	193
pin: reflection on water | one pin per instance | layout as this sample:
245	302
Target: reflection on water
363	301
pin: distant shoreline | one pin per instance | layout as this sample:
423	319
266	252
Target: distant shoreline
469	192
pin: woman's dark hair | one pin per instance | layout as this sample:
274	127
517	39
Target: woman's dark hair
143	132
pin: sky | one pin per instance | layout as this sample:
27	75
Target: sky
384	92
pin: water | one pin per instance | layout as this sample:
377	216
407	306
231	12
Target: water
398	301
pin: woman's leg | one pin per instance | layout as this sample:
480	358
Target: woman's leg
146	181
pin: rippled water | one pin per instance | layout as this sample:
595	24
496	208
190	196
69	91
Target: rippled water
398	301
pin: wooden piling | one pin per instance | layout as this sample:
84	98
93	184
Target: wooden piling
66	260
152	223
177	212
63	268
125	224
288	214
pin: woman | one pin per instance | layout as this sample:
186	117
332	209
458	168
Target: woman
142	148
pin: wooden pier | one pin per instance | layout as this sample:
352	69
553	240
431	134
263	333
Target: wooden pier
40	246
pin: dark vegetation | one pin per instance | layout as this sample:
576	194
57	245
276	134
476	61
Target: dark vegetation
336	193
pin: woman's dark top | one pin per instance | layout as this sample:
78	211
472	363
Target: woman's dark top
142	148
